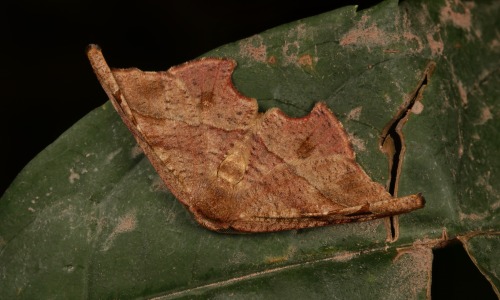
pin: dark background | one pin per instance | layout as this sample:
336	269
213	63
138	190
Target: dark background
47	83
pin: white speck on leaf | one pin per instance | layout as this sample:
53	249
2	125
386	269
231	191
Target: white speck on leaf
73	176
113	154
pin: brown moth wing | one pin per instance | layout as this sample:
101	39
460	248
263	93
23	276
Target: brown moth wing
235	168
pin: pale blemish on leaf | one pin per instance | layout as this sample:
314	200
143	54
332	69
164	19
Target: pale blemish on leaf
254	48
472	216
365	35
457	13
409	35
436	45
290	52
417	107
433	36
113	154
127	223
495	205
290	49
355	113
483	181
463	93
69	268
299	32
460	148
358	143
485	116
73	176
494	45
136	151
423	16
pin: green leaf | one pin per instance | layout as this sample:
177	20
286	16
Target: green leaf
484	250
90	218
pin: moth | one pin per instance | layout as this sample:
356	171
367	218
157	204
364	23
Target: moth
235	168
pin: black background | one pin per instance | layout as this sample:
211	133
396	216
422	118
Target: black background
47	83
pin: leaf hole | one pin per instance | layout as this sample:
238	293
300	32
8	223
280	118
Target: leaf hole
392	143
455	276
